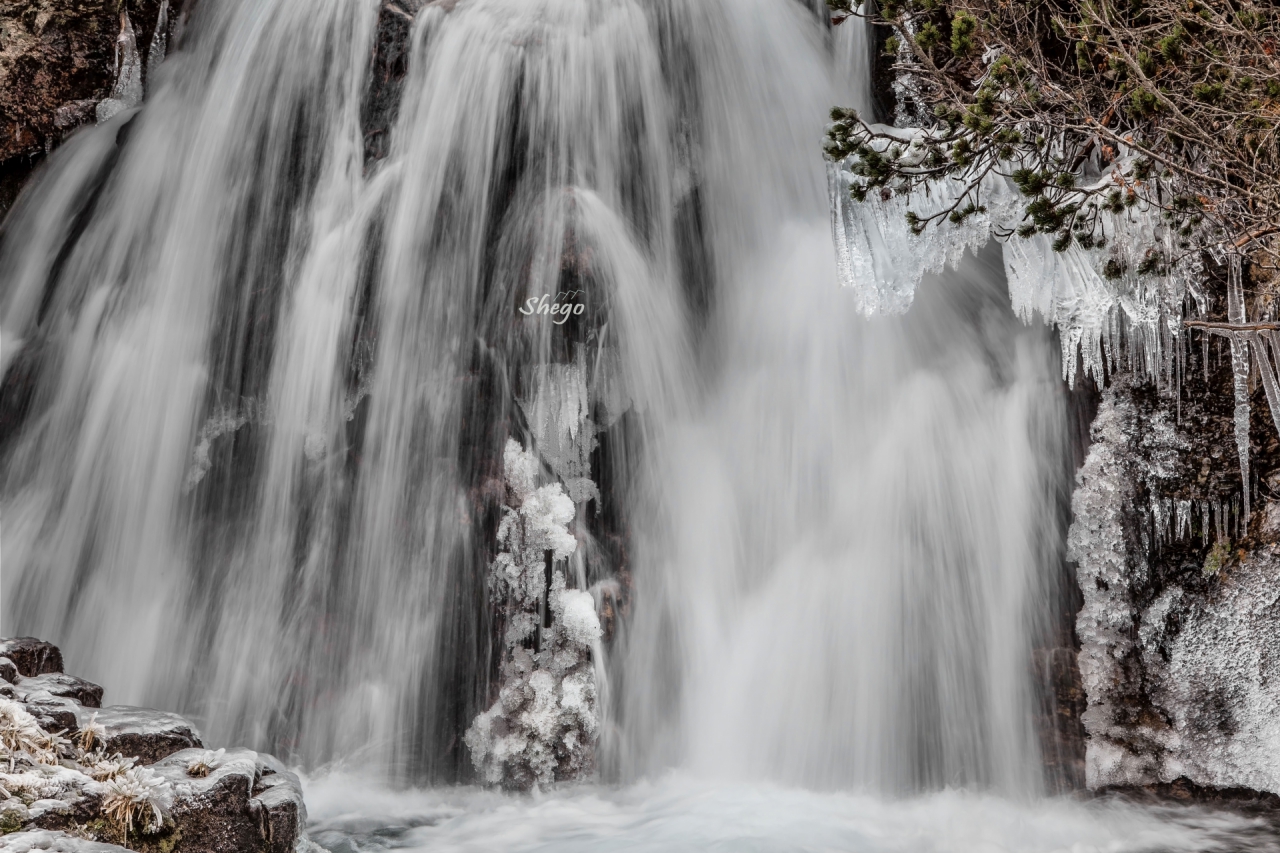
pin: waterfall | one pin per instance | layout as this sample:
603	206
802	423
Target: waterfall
261	367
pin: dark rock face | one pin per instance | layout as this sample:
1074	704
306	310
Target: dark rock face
1061	735
31	657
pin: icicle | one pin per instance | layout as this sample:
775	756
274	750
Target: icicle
159	42
1204	355
127	91
1204	523
1268	376
1184	519
1240	373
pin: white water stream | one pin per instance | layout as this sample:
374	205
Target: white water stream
270	383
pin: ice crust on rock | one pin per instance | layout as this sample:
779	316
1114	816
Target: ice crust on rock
1180	681
882	261
542	728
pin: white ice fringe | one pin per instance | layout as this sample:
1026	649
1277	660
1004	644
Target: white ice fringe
880	258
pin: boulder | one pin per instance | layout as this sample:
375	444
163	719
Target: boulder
8	671
141	733
31	657
53	713
188	799
60	684
246	802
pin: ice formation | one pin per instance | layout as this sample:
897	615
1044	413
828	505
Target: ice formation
127	91
880	258
543	726
559	414
136	796
1178	667
159	42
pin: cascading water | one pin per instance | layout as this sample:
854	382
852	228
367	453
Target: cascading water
260	385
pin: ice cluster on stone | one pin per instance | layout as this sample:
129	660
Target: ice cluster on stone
882	261
542	728
1179	683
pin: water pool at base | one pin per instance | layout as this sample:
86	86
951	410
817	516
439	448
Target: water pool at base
679	813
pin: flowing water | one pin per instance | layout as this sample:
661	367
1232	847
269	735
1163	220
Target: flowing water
261	358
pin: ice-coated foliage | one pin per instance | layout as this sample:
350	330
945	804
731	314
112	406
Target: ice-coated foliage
136	797
22	737
542	728
1096	297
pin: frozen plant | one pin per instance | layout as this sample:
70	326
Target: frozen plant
205	763
101	768
138	796
21	735
92	734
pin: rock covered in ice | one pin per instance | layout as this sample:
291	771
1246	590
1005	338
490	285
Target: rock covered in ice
1179	628
542	728
31	657
58	684
131	776
127	91
576	611
144	733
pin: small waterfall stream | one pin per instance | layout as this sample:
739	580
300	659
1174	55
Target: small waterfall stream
259	381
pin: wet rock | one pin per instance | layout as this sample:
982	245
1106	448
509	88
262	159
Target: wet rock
31	657
246	802
141	733
1183	791
8	671
53	713
1058	723
62	685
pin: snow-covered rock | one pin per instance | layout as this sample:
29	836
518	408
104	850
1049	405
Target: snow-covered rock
84	779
